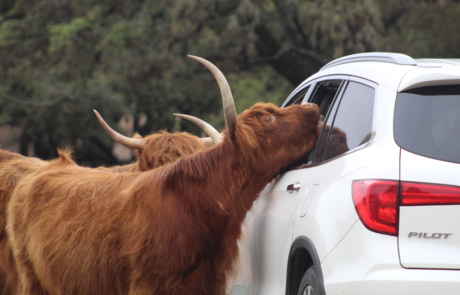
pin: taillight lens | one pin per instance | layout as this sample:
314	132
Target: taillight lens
376	202
413	194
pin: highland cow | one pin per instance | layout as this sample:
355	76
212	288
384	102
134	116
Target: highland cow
152	151
171	230
161	148
13	167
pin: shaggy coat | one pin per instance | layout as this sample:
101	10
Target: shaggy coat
13	167
160	149
171	230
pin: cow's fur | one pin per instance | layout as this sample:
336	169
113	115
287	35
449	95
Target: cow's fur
171	230
161	149
13	167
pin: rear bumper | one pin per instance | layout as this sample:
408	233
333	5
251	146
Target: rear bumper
368	263
399	282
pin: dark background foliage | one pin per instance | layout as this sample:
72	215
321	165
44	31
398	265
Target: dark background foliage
60	59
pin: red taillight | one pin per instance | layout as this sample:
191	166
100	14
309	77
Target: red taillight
376	202
413	193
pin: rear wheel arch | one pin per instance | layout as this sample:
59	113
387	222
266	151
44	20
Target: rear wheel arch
302	256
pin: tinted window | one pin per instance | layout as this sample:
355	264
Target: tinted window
427	122
348	125
298	97
352	125
323	96
318	154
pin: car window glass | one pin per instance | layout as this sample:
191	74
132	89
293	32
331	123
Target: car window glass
427	122
298	98
352	124
323	95
316	156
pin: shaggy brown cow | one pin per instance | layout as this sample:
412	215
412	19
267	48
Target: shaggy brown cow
153	151
13	167
171	230
162	148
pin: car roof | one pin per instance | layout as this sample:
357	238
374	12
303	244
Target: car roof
395	71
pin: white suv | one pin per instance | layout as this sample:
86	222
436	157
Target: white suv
375	208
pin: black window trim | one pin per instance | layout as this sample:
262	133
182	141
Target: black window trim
375	86
343	79
334	106
298	89
373	132
337	99
311	84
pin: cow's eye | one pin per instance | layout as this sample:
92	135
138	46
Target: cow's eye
268	119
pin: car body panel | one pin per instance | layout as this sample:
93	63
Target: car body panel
367	263
437	242
275	212
242	282
385	74
422	77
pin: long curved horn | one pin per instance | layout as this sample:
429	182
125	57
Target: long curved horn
205	126
207	142
133	143
227	97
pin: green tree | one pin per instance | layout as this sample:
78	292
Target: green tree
61	59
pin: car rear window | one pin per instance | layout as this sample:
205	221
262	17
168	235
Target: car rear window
427	122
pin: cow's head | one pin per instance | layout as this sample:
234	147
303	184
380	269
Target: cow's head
164	148
266	134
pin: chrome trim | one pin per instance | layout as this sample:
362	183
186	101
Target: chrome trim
396	58
294	187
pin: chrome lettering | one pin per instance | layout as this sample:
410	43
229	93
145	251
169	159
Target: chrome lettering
428	235
412	234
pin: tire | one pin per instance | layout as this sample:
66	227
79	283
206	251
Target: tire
309	284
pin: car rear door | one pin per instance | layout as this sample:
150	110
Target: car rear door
427	127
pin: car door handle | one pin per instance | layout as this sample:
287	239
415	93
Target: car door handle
293	187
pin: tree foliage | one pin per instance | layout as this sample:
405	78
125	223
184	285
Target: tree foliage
61	59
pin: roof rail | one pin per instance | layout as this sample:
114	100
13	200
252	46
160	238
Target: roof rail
396	58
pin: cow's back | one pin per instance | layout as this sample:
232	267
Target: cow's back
13	167
62	211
